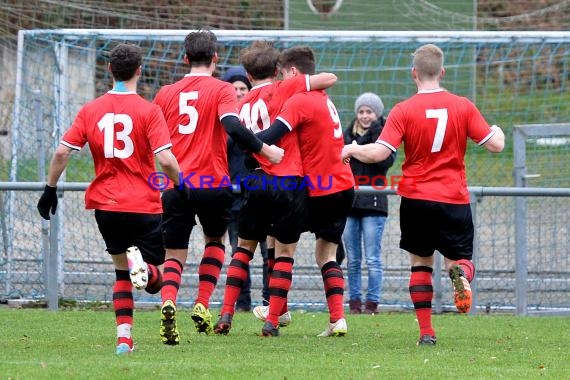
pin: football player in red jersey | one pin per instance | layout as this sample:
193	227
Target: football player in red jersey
435	214
125	133
274	198
200	111
330	186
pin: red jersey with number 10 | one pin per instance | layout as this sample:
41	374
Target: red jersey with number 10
434	127
193	108
124	131
260	107
320	140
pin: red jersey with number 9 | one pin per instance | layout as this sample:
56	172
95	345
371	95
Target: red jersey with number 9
193	108
123	131
434	127
321	142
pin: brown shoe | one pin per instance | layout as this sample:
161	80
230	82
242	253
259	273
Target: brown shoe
371	308
355	306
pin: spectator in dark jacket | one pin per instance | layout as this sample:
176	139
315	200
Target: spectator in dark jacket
365	223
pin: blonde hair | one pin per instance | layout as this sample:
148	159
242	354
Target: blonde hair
428	61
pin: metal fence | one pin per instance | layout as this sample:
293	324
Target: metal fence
65	258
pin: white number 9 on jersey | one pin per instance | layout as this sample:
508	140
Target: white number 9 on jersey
335	118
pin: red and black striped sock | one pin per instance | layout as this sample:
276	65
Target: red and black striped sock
270	266
209	271
468	268
333	281
421	293
279	285
171	280
236	278
123	303
154	280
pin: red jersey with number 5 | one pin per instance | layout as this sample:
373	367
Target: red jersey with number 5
434	127
315	117
260	107
123	131
193	108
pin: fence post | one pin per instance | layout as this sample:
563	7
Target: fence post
42	178
521	259
437	287
474	198
52	283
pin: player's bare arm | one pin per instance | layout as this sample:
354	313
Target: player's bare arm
496	143
322	81
58	164
368	153
169	164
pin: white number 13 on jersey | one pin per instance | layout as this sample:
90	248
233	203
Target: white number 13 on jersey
107	126
441	115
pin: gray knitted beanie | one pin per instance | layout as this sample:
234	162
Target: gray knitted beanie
371	100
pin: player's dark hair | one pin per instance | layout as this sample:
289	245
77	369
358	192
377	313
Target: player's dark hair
125	59
200	47
301	57
260	59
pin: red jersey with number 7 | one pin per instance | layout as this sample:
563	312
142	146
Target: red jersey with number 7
315	117
260	107
123	131
193	108
434	127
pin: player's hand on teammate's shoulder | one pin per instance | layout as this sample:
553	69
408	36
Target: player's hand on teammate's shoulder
273	153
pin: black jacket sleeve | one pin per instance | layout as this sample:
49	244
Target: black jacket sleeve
271	135
241	135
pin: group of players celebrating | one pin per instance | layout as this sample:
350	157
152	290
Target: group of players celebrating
291	130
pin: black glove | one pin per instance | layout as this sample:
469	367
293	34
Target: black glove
48	201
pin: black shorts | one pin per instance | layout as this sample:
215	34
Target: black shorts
212	206
120	230
428	226
272	205
327	214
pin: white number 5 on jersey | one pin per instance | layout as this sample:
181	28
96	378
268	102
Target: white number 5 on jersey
191	111
441	115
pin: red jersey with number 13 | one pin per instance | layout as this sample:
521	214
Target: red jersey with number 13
193	108
124	131
321	141
434	127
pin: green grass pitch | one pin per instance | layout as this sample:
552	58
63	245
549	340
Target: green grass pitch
40	344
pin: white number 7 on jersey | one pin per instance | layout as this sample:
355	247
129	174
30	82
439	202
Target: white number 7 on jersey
441	115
